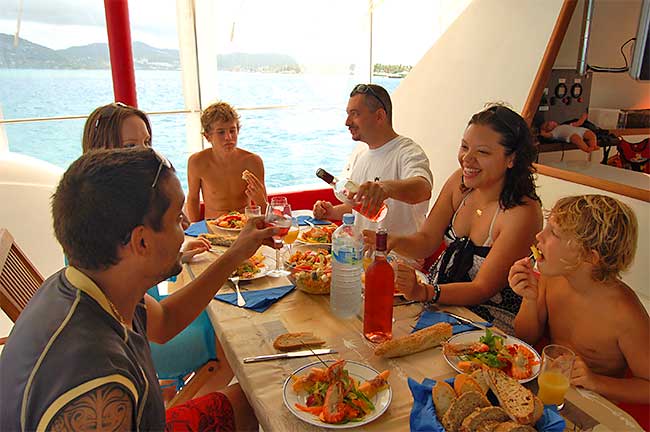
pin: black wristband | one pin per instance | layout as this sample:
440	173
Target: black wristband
436	293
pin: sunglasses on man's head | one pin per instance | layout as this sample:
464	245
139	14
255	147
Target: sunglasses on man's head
366	89
163	161
108	111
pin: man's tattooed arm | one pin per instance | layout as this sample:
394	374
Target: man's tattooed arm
107	408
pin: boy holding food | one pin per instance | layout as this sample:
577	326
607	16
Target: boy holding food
227	177
579	300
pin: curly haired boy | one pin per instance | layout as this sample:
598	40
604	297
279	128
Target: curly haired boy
580	301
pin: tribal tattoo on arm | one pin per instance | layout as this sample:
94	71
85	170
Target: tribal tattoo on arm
107	408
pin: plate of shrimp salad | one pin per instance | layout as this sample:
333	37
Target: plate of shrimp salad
337	394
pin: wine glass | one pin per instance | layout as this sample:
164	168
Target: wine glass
278	215
253	211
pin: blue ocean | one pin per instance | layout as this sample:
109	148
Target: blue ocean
293	142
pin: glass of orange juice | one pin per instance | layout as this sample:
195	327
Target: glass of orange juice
555	374
292	235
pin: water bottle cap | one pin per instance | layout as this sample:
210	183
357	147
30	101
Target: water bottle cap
348	218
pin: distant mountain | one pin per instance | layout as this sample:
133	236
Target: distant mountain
29	55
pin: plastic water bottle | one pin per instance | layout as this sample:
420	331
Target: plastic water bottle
347	265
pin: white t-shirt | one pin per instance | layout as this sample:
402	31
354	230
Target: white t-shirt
564	132
398	159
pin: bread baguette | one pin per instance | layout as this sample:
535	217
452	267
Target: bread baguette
515	399
443	395
294	341
481	416
461	408
415	342
219	239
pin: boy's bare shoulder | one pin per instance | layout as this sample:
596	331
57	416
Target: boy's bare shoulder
200	157
249	156
627	301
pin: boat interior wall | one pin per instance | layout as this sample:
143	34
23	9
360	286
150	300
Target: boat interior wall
638	275
26	185
614	22
492	52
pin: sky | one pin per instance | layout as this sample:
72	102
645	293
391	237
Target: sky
307	29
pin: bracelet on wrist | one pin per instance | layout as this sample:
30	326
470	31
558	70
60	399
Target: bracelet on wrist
436	293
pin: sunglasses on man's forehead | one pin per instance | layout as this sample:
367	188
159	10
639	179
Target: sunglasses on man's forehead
163	161
366	89
108	111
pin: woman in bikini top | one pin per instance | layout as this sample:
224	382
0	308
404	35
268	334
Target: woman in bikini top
490	201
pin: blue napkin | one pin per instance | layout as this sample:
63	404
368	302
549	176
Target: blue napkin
259	300
423	413
429	318
197	228
302	221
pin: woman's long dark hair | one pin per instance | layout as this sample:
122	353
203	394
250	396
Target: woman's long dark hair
515	138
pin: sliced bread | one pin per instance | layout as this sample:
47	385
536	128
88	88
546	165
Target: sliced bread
487	426
483	415
469	384
443	395
511	426
515	399
294	341
415	342
481	379
462	407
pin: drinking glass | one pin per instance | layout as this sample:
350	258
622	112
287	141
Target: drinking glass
253	211
279	200
278	215
555	374
292	235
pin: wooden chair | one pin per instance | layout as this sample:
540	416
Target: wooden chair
19	279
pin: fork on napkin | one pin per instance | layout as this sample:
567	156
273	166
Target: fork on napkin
429	318
259	300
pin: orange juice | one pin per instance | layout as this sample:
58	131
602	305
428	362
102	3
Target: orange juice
291	236
367	260
553	386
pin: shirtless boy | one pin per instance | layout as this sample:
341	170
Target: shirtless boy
580	300
227	177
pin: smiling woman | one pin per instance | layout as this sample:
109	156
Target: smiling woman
495	180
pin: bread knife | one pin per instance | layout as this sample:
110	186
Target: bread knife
291	354
476	324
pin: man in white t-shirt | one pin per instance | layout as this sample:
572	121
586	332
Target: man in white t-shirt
388	167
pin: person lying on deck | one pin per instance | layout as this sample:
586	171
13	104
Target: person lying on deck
228	177
581	301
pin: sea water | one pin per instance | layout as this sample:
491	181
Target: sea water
292	142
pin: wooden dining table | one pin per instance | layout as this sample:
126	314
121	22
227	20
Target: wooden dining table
246	333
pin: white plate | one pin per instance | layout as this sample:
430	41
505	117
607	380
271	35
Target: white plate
473	336
212	223
311	243
263	271
359	371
